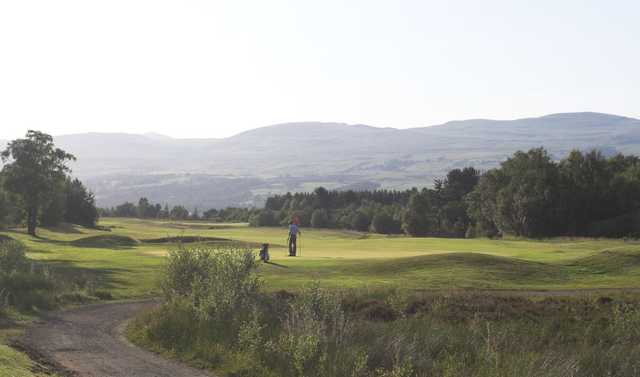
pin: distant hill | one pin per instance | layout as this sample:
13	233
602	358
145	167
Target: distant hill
245	168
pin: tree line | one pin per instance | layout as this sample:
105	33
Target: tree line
36	187
145	209
528	195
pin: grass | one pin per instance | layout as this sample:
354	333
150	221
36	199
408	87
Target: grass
14	363
127	260
237	330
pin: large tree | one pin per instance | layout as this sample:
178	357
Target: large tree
32	167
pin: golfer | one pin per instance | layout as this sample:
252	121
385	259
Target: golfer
293	238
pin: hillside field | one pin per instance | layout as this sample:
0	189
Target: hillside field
127	260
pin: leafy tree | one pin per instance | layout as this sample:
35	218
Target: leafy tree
10	213
53	212
179	213
265	217
529	205
126	209
451	206
80	205
320	218
586	179
322	198
418	218
210	214
360	222
384	223
147	210
482	206
32	167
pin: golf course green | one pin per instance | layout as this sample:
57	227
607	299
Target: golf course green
127	255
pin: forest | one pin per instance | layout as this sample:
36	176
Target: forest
529	195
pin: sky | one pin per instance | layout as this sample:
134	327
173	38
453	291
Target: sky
216	68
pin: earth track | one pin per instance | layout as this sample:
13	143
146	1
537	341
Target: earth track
89	341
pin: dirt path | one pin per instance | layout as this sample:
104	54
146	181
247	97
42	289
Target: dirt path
89	341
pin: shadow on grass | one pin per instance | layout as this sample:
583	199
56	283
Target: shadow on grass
64	228
105	278
107	241
276	264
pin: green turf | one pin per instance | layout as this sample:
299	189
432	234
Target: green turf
14	363
124	262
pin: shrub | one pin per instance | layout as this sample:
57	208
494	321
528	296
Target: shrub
360	222
384	223
27	285
12	257
264	217
220	285
320	218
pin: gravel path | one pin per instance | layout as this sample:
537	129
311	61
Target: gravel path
89	341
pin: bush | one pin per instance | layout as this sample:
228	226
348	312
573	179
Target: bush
219	284
265	217
384	223
320	218
360	222
27	285
12	257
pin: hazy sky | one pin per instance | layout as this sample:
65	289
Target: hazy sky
214	68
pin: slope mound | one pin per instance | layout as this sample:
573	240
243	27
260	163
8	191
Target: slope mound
610	261
105	241
185	239
471	265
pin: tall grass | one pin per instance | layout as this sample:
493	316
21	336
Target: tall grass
216	317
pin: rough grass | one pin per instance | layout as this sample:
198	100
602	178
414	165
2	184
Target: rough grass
318	332
14	363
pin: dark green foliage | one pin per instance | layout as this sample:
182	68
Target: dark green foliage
53	213
10	212
419	219
384	223
360	221
34	182
32	167
264	218
145	209
80	205
126	209
584	194
12	257
179	213
320	218
441	211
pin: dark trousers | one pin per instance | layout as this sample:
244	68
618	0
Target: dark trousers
292	245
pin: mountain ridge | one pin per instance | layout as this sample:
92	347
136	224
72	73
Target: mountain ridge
297	156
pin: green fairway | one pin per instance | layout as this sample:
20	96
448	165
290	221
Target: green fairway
127	259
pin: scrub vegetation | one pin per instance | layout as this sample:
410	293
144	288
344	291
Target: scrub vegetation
217	316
